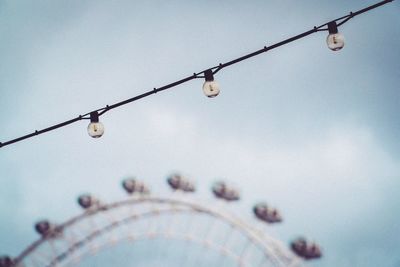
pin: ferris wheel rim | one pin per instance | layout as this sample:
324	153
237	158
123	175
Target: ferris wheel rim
228	218
178	237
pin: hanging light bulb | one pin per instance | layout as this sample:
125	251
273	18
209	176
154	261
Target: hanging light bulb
210	87
95	128
335	40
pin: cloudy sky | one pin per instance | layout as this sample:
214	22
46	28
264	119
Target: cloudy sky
311	131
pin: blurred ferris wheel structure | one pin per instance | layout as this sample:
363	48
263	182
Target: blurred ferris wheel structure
176	230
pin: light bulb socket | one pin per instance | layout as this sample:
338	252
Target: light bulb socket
208	75
332	27
94	116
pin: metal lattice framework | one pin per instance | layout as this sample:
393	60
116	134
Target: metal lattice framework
146	218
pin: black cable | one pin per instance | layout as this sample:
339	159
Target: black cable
215	69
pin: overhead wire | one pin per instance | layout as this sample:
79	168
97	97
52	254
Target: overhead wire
340	21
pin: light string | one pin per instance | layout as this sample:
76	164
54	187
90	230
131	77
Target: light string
211	88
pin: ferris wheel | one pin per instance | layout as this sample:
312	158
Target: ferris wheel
146	230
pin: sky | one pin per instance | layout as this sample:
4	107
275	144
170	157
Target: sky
310	131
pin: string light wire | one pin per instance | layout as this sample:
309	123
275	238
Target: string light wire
324	27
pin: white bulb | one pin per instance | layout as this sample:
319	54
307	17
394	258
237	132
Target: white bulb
95	129
211	88
335	41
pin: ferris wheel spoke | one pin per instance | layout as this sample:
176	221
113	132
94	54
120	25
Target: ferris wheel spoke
170	222
113	222
34	262
74	260
53	248
263	262
74	238
209	229
244	250
151	228
188	224
228	236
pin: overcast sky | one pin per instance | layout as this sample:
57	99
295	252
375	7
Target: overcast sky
311	131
